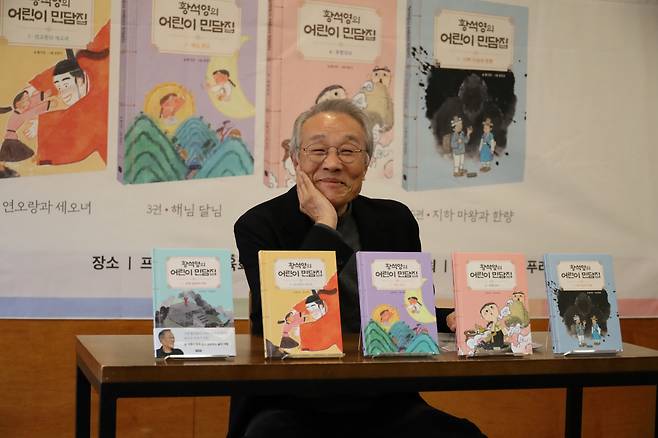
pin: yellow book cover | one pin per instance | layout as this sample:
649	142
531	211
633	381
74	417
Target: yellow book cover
301	312
54	87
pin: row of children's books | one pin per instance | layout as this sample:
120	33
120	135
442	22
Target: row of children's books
193	303
188	84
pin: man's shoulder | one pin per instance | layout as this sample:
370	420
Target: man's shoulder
271	208
380	205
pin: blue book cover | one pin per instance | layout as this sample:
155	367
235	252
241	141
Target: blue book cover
582	302
193	312
465	94
396	299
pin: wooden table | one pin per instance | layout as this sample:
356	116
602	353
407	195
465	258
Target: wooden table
123	366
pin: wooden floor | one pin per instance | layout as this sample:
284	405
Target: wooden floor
37	377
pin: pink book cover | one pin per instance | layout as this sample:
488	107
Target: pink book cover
491	303
328	50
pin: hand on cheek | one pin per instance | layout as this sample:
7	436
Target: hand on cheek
312	202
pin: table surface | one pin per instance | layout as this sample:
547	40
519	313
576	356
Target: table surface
121	359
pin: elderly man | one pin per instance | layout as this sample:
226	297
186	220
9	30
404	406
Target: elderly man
331	146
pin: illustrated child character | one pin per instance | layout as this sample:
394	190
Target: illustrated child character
169	105
596	331
290	329
498	331
487	146
222	86
458	142
27	106
414	305
385	317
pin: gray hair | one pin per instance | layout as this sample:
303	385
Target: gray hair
341	106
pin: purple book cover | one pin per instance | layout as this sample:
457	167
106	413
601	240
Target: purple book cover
396	298
188	80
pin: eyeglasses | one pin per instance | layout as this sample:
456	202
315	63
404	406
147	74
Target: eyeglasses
346	153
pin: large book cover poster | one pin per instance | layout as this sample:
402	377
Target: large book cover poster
320	50
582	301
300	304
188	77
396	297
192	302
54	86
465	96
491	303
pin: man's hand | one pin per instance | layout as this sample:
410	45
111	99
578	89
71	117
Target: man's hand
451	321
313	203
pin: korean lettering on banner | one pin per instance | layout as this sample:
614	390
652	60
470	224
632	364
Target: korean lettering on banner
339	24
33	207
60	23
472	40
179	209
210	26
197	16
57	12
136	263
344	33
465	215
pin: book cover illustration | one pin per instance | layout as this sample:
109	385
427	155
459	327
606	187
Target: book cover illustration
491	304
582	302
320	50
465	95
301	311
396	298
188	79
193	312
54	87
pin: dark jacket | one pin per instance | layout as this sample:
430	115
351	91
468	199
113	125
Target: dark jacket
278	224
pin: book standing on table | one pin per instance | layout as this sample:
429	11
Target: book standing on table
582	303
301	311
193	303
396	298
491	304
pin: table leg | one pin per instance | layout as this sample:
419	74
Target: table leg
107	420
82	405
574	414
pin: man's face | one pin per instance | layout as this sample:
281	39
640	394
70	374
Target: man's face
338	181
315	310
168	340
68	88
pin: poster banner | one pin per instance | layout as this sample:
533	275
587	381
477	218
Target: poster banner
77	241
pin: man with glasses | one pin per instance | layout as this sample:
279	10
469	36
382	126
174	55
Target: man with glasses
331	146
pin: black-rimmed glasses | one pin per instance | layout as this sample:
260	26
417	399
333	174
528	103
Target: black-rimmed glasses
346	153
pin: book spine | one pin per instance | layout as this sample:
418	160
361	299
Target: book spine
129	10
553	312
458	268
362	282
264	266
411	99
273	150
